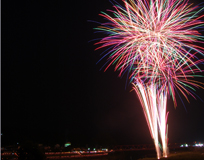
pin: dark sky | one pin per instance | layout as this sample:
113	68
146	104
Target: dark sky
53	91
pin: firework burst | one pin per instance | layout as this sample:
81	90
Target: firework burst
154	41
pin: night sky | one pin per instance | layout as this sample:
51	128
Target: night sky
53	91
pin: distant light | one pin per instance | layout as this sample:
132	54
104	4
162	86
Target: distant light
17	143
199	145
184	145
88	148
67	144
104	149
1	134
94	149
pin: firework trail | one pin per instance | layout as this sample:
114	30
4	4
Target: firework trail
154	42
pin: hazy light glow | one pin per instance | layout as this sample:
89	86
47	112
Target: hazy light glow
199	145
153	41
67	144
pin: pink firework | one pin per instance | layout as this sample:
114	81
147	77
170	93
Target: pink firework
154	41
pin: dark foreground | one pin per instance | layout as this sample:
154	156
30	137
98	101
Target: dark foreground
188	153
134	156
150	155
121	155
